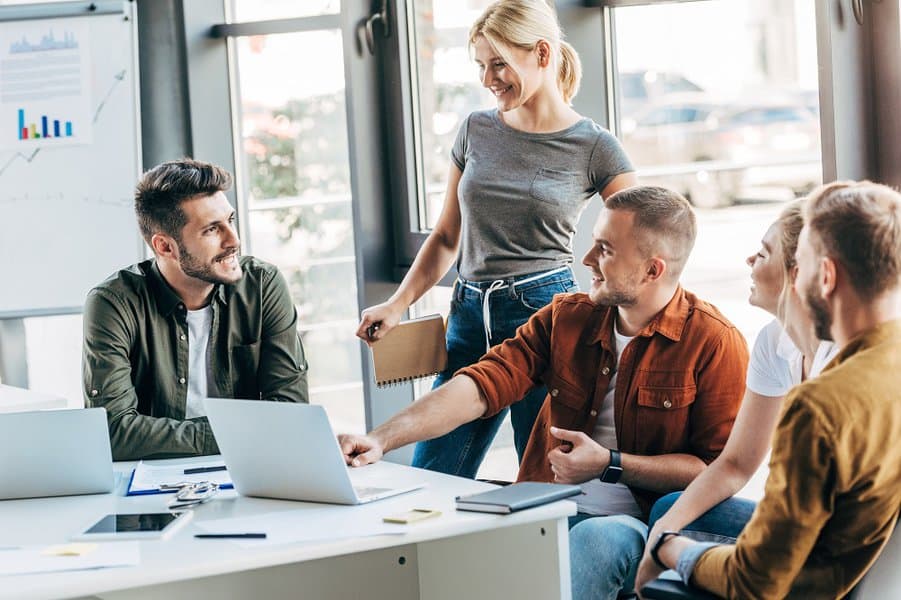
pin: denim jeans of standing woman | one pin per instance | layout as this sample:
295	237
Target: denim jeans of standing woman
511	302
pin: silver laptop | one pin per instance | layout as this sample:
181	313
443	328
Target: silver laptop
286	450
55	453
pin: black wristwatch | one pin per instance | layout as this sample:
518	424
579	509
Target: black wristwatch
661	539
614	470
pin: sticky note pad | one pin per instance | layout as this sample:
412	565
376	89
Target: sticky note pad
69	550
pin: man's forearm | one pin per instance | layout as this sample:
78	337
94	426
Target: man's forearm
662	473
134	436
438	412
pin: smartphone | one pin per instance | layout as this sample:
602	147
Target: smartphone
138	526
412	516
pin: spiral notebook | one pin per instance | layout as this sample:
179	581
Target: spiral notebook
411	350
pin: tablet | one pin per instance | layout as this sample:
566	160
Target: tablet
138	526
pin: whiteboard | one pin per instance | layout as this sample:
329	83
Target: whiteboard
67	177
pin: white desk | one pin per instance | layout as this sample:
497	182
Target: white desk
14	399
457	555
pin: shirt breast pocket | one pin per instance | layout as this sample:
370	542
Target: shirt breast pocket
664	416
245	364
666	398
553	186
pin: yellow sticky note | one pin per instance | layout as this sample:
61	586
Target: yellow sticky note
69	550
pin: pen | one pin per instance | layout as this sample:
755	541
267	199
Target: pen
219	536
195	470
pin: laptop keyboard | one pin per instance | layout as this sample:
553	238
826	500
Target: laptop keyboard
366	492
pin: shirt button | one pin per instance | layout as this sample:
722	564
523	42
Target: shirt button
605	370
667	404
181	380
94	393
181	337
554	392
594	413
181	307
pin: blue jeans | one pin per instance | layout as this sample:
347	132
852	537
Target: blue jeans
721	524
604	553
461	451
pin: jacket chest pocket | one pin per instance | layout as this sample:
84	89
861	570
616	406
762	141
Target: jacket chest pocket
663	422
666	398
245	363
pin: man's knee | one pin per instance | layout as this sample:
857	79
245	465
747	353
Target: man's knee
608	540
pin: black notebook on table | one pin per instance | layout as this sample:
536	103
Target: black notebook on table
516	497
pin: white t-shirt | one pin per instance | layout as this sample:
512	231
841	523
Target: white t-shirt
601	498
776	363
199	324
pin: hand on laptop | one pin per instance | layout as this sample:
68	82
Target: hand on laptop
360	450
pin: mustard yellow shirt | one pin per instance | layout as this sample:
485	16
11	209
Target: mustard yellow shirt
834	489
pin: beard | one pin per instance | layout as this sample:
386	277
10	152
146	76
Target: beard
614	298
819	312
194	267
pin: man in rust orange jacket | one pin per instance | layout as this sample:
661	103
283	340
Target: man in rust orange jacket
644	381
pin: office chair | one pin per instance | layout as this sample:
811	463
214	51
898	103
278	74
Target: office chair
883	580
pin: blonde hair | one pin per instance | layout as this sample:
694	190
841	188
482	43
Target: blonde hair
522	24
790	222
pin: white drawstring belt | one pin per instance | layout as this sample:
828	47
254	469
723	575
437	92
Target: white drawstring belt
500	284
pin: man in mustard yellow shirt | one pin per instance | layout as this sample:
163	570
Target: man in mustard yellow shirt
834	490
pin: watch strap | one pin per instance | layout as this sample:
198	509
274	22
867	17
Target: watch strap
614	469
655	549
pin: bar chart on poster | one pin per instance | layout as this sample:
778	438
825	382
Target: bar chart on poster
69	153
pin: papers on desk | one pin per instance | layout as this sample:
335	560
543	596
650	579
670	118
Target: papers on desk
147	479
309	525
43	559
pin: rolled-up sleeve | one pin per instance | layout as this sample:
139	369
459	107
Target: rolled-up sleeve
109	329
511	369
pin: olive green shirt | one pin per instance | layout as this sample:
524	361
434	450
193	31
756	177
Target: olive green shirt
834	489
135	362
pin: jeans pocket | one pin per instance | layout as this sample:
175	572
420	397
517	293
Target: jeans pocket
538	297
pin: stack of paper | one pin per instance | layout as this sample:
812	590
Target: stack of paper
147	479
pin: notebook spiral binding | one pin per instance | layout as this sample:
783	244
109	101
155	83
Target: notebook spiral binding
402	380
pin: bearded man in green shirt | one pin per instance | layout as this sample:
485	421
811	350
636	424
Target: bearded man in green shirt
197	320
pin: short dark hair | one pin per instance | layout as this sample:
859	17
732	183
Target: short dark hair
858	223
664	220
161	191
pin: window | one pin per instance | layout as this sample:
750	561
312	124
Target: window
447	89
754	147
749	141
296	189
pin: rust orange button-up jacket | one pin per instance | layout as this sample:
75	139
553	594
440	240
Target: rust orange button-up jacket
680	381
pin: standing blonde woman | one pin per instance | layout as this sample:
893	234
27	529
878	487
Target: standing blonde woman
786	353
521	176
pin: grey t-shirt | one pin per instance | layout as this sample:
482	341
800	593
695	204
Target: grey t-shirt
522	193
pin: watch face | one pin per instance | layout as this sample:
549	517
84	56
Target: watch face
612	474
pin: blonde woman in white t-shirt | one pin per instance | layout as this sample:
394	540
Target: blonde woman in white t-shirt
785	353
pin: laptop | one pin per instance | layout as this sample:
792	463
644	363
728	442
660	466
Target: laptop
55	453
286	450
